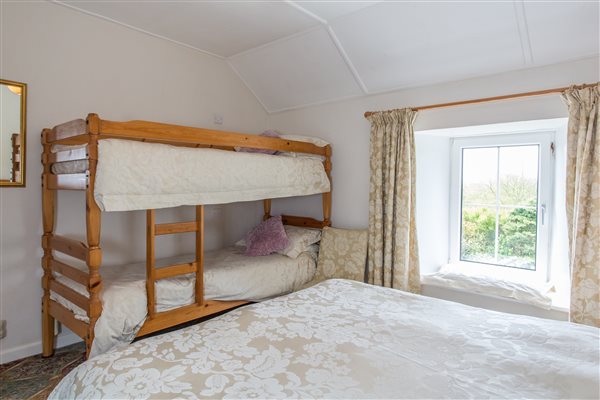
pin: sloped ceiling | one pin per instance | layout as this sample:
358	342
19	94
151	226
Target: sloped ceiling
296	53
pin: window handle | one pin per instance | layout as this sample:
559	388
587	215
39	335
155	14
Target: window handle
543	211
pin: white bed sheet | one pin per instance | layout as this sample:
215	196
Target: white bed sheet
345	339
228	275
133	175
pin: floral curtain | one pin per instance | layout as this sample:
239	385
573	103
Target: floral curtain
583	202
393	259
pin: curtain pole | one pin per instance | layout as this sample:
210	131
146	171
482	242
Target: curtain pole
495	98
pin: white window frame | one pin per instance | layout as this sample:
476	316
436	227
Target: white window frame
544	205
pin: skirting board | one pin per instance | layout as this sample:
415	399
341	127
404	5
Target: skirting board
26	350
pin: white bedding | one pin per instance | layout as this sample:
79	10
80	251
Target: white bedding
228	275
133	175
344	339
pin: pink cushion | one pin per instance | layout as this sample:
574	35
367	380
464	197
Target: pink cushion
269	133
266	238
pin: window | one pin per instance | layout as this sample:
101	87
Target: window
501	194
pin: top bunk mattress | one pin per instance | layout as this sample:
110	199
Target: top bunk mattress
133	175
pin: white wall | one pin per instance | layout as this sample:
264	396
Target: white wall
342	123
433	194
75	64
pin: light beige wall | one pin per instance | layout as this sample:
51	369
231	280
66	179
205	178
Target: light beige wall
342	123
75	64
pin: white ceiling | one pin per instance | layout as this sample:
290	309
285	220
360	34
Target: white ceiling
295	53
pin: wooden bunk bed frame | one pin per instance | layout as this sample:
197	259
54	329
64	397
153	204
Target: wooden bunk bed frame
94	130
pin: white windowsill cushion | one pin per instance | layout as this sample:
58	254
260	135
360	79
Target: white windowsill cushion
456	277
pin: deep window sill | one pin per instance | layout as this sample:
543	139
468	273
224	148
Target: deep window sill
453	276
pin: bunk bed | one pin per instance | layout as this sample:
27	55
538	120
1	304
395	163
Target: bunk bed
141	165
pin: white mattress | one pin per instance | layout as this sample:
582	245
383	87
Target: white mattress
344	340
133	175
228	275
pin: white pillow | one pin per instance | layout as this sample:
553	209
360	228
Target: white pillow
301	155
308	139
300	240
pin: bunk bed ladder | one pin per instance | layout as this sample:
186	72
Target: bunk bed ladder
197	266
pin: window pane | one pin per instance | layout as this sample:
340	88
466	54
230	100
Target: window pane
478	234
518	175
517	237
479	176
503	230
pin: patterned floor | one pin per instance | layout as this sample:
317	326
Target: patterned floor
33	378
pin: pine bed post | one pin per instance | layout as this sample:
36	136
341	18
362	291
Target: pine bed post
93	222
267	208
200	255
327	196
150	262
48	217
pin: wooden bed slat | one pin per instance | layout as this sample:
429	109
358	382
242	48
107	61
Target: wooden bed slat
177	227
74	297
176	135
67	181
303	221
68	155
185	314
184	134
66	317
69	247
70	272
174	270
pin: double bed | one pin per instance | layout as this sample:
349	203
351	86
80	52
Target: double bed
345	339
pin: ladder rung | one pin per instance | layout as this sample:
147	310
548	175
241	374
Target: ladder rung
174	270
177	227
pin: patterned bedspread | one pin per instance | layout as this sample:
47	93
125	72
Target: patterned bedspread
344	339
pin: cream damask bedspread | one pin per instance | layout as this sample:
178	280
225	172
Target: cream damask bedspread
345	339
133	175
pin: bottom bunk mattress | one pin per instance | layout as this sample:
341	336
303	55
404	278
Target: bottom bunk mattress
345	339
228	275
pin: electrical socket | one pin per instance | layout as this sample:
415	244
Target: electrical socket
2	329
217	119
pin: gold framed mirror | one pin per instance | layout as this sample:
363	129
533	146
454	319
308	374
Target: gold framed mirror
13	112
